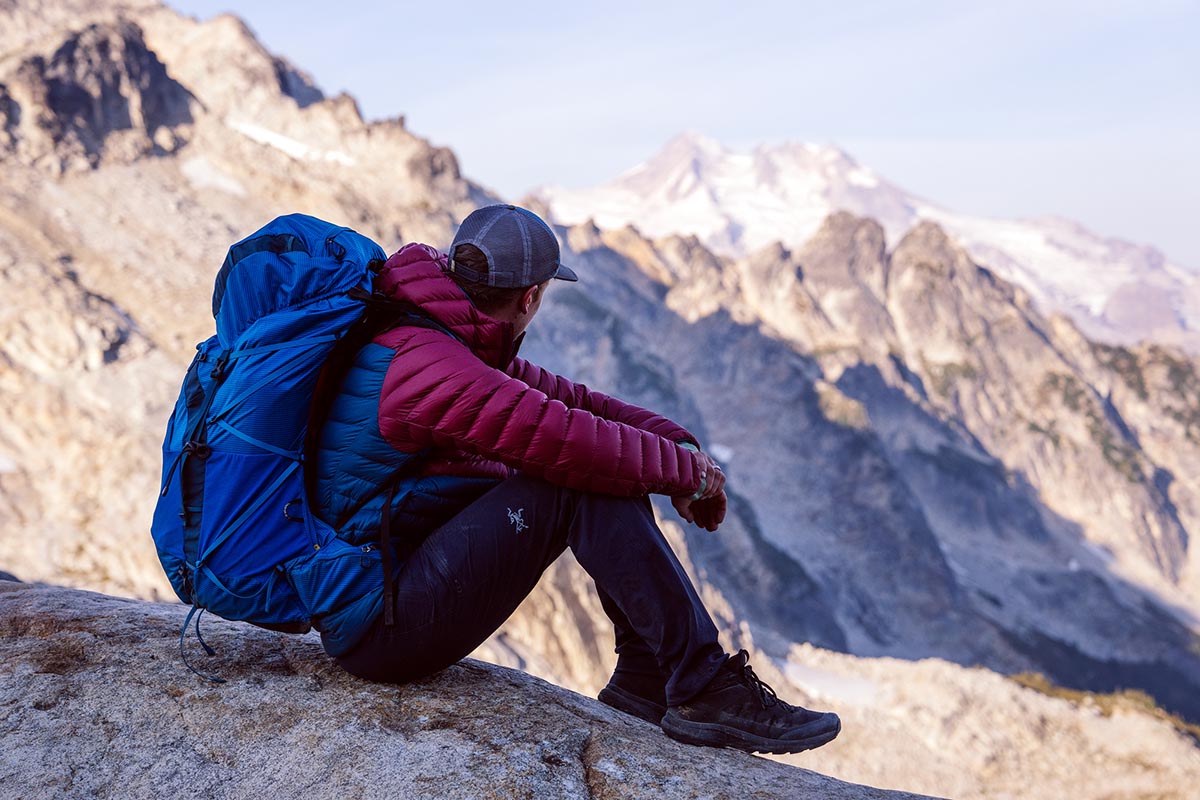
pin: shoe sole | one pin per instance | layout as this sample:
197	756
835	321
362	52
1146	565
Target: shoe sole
631	704
713	734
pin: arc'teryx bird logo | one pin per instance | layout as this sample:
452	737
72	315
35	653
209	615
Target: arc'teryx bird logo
516	519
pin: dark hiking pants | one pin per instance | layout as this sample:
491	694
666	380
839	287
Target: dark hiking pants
470	574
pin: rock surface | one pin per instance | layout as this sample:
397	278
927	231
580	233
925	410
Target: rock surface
95	702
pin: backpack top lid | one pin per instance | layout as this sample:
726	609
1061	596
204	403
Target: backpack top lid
292	261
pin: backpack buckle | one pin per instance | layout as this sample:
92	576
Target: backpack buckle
218	370
287	514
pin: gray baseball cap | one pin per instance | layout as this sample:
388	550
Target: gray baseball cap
520	248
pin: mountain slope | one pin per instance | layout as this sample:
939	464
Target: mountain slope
737	203
910	420
127	175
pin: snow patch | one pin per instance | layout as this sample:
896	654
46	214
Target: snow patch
860	176
287	145
203	174
7	464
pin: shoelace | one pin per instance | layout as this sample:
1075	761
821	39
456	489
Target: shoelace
766	695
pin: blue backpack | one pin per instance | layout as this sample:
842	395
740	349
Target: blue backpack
233	526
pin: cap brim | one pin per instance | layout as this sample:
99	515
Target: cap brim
565	273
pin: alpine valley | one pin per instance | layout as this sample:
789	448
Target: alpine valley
955	518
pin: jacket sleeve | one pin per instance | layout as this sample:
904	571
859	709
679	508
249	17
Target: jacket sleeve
576	395
436	393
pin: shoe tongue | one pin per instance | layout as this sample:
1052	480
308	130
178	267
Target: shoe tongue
738	662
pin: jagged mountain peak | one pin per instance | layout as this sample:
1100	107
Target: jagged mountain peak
244	50
930	237
938	270
737	202
847	247
127	82
844	224
226	65
27	22
97	92
692	143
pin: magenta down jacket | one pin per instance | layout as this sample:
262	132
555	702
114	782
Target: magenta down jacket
486	413
442	418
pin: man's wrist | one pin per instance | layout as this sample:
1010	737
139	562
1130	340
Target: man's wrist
703	475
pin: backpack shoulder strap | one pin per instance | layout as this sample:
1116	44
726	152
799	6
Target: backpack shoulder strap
392	313
381	314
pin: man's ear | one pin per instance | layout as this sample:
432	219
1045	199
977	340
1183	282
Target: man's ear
527	298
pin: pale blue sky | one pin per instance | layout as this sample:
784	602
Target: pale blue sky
1089	110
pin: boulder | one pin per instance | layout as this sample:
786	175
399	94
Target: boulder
96	702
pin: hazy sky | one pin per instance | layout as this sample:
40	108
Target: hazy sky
1089	110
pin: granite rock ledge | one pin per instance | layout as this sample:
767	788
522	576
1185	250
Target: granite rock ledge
95	702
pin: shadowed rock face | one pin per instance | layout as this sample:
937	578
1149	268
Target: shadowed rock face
101	91
820	518
94	701
136	144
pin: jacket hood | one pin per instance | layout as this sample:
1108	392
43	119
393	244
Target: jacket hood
414	275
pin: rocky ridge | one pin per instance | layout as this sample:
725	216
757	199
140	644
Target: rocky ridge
918	389
738	202
95	702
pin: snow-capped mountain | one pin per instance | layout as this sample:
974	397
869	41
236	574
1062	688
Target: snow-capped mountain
738	202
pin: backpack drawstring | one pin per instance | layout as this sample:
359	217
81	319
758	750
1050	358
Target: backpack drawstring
204	644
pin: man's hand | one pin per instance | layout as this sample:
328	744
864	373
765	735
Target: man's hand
714	478
683	505
708	512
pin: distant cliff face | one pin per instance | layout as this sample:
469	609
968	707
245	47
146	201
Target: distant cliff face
923	464
101	93
136	145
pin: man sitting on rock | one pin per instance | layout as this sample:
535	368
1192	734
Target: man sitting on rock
482	468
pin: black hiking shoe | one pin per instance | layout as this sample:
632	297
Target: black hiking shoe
623	699
738	710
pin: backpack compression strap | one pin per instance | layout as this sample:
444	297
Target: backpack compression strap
381	314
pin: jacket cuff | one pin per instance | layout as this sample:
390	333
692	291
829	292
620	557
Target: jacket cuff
704	477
